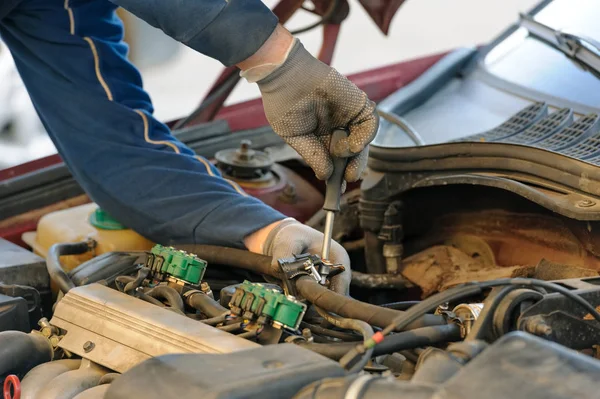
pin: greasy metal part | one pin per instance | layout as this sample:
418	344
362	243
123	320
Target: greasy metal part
510	308
559	319
36	380
473	246
546	270
51	333
536	325
306	265
328	231
392	234
371	216
517	238
374	259
393	257
467	313
70	384
441	267
125	331
245	163
96	392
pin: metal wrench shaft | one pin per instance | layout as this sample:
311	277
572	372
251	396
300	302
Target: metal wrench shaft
333	192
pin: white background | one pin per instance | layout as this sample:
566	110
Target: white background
177	84
420	27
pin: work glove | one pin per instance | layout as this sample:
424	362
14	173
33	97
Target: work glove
305	100
291	238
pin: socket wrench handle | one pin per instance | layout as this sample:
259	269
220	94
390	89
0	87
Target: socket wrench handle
333	192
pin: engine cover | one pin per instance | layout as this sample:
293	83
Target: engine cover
118	331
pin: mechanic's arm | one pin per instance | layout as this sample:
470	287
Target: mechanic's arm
304	99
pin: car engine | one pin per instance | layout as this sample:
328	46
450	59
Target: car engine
458	291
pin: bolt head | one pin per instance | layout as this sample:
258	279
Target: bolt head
88	346
586	203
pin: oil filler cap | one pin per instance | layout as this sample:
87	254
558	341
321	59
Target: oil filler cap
102	220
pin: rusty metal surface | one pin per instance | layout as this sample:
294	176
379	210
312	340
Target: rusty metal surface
547	270
441	267
520	238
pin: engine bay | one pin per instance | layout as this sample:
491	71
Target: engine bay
457	291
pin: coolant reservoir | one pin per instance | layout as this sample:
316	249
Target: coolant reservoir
79	224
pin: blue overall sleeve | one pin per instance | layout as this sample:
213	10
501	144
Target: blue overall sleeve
73	61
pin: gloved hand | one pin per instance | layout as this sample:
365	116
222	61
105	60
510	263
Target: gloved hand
305	100
291	238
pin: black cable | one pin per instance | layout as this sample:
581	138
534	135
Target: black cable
232	327
54	266
460	292
148	298
420	337
139	279
330	333
470	289
213	321
169	294
403	305
356	325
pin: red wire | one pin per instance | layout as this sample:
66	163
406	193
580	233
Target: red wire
12	381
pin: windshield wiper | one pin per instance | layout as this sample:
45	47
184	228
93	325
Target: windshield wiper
585	51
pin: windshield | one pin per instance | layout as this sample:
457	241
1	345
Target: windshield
524	60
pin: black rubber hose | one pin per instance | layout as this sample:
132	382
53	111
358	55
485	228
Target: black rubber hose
54	267
213	321
403	305
202	302
232	327
167	293
378	281
426	336
308	288
350	308
232	257
137	282
358	326
107	267
330	333
20	352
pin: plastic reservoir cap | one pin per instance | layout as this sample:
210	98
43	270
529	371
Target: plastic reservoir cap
102	220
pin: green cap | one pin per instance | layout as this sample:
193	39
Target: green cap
102	220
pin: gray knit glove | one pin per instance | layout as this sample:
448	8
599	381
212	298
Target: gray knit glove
291	238
305	100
